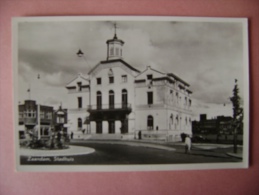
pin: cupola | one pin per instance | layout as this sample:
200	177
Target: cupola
114	47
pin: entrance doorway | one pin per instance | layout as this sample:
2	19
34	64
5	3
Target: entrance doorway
111	126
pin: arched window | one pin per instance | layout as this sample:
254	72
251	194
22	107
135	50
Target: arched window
117	51
150	122
111	99
124	98
172	119
79	123
177	119
99	100
111	51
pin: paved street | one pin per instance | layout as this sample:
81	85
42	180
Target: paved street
124	152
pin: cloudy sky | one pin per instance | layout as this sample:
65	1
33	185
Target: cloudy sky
207	55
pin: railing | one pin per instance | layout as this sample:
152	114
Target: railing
77	109
109	107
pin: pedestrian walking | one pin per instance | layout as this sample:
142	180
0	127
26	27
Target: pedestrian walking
188	144
139	135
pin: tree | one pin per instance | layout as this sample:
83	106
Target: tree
237	114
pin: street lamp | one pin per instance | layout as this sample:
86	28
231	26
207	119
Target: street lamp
81	54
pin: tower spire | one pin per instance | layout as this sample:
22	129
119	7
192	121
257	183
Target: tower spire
115	29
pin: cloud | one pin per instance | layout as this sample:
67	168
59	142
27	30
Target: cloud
207	55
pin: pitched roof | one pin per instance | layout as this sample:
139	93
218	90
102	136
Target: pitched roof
112	61
178	78
78	76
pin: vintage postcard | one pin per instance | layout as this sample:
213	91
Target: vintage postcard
130	93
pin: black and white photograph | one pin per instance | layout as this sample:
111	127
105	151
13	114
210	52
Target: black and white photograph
130	93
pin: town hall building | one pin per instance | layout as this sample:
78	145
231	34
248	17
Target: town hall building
117	101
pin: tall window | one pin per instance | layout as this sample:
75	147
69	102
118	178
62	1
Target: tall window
117	51
111	99
150	122
150	97
172	118
79	84
111	79
111	51
99	127
150	77
124	98
79	123
124	78
42	114
110	75
79	101
49	115
98	81
20	114
112	126
99	100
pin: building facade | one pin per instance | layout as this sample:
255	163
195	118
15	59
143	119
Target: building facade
220	125
117	101
35	119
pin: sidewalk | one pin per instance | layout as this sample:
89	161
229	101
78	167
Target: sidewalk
236	155
71	151
129	143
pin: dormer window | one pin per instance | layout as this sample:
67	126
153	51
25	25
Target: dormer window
149	76
79	84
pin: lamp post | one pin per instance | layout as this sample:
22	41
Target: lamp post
38	111
81	54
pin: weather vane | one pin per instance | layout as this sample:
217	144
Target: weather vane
115	27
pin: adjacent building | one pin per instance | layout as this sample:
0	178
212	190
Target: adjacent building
34	118
117	101
220	125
